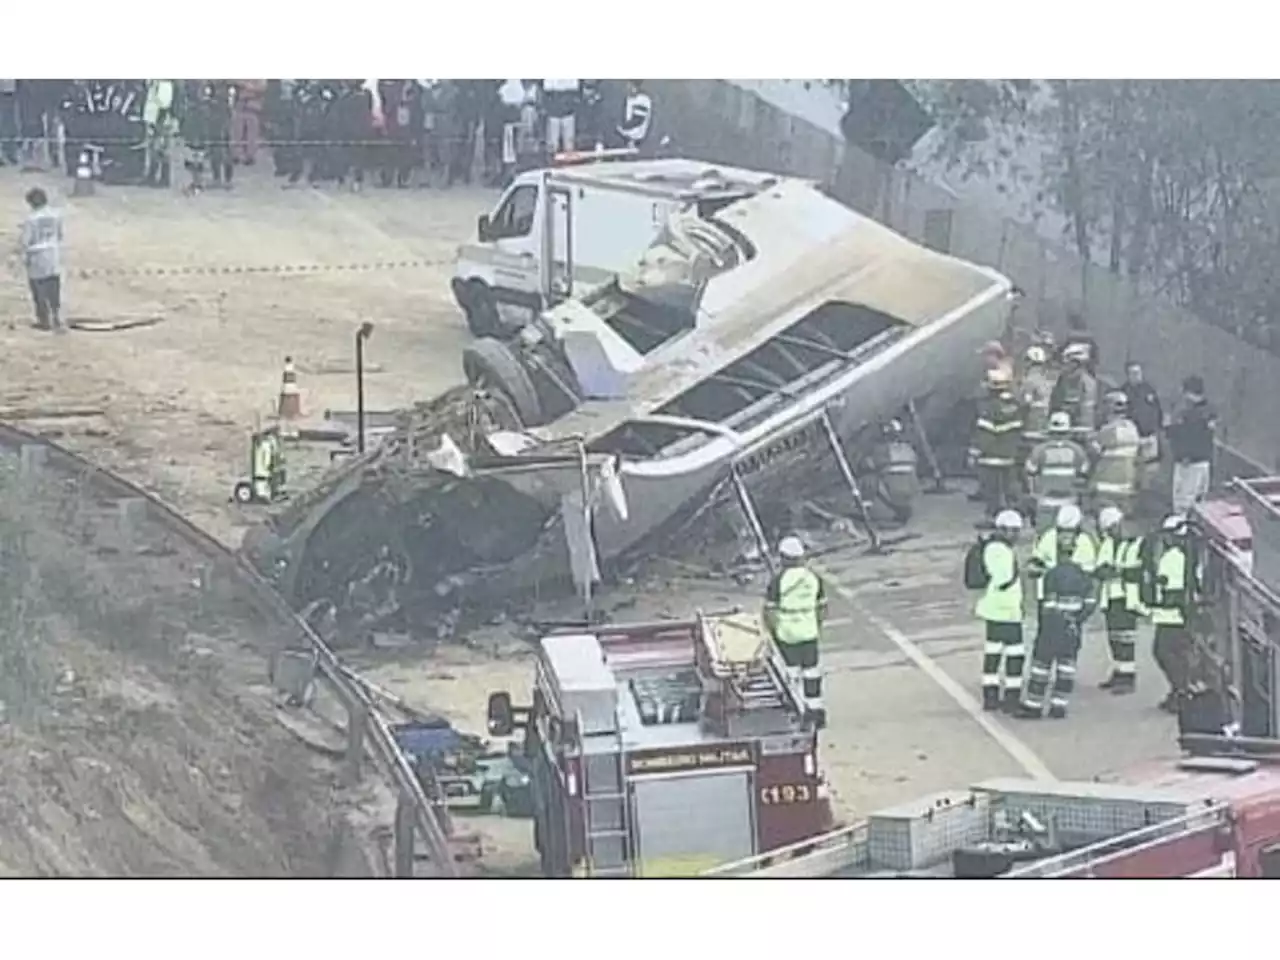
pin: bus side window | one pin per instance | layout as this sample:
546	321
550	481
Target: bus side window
1269	862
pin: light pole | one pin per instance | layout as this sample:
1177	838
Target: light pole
363	334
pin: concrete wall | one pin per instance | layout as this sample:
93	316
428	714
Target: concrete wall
722	123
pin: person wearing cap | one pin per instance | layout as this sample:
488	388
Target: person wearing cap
1170	590
1000	608
1064	541
1115	449
795	605
897	481
1191	440
1036	390
1076	392
1118	572
1056	470
1063	563
997	442
1148	416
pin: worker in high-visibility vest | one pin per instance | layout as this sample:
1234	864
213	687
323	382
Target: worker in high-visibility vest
263	461
1115	448
1056	469
1000	608
1171	590
1066	541
1118	572
795	606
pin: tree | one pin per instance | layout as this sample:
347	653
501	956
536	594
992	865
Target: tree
1164	181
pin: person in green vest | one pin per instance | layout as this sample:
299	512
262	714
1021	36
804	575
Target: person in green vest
1119	571
1000	608
1171	595
262	459
795	606
1065	541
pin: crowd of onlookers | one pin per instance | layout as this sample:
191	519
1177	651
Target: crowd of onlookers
392	132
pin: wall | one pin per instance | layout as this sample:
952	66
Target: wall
720	122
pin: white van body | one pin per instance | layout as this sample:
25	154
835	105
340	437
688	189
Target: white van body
574	226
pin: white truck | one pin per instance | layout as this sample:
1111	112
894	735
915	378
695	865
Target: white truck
580	223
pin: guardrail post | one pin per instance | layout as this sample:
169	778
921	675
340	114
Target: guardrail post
404	838
32	457
357	726
129	515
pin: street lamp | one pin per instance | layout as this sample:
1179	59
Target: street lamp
363	334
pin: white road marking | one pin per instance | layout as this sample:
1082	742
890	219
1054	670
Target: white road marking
1023	755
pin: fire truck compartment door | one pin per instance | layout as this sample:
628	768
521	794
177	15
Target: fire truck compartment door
685	825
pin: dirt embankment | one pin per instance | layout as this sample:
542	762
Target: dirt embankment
138	734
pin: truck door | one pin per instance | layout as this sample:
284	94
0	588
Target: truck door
557	251
687	824
514	247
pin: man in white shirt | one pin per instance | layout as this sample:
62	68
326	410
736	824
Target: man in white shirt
560	101
637	116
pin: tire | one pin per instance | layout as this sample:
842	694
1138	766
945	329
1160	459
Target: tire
481	310
491	364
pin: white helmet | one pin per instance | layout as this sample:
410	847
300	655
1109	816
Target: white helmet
1174	523
1069	518
1059	421
791	548
1109	517
1008	520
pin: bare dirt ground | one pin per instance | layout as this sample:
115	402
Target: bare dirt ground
139	734
180	399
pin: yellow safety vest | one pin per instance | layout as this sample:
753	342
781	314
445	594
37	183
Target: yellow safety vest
1173	569
1130	559
1085	556
1112	586
997	605
796	615
262	457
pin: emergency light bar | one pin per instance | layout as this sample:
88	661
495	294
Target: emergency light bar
569	158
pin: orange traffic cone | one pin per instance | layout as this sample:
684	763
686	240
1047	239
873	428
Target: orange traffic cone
289	409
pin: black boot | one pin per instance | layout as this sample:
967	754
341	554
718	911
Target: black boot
990	698
1123	685
1110	683
1025	712
1170	703
1058	713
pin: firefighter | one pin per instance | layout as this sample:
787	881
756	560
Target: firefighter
1115	454
996	442
1076	392
1078	336
1170	582
795	606
1056	469
1000	608
1036	391
1068	597
1119	568
995	358
1065	541
895	464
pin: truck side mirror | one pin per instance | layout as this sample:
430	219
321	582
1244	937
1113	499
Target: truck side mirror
501	718
482	227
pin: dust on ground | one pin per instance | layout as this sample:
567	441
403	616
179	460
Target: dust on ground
139	734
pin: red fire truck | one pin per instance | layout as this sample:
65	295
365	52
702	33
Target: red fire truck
663	749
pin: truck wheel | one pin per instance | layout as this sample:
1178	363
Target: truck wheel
481	310
491	365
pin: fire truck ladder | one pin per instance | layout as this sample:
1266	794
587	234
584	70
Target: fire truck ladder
604	809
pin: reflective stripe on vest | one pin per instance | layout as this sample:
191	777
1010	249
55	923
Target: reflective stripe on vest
1108	556
262	459
1130	559
1172	567
797	613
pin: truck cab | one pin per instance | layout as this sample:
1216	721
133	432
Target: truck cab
580	222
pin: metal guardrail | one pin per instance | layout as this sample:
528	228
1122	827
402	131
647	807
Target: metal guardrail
816	857
363	724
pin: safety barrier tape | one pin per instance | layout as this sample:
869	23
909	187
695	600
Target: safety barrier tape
289	269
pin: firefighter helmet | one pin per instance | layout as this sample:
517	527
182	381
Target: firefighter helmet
1069	517
1059	422
1117	401
999	378
1036	355
791	548
1078	352
1174	523
1110	517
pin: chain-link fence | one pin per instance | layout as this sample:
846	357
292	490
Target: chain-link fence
724	123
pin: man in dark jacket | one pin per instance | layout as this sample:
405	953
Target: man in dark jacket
1069	599
1148	416
1191	440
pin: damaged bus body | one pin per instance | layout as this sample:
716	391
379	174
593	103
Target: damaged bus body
751	344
